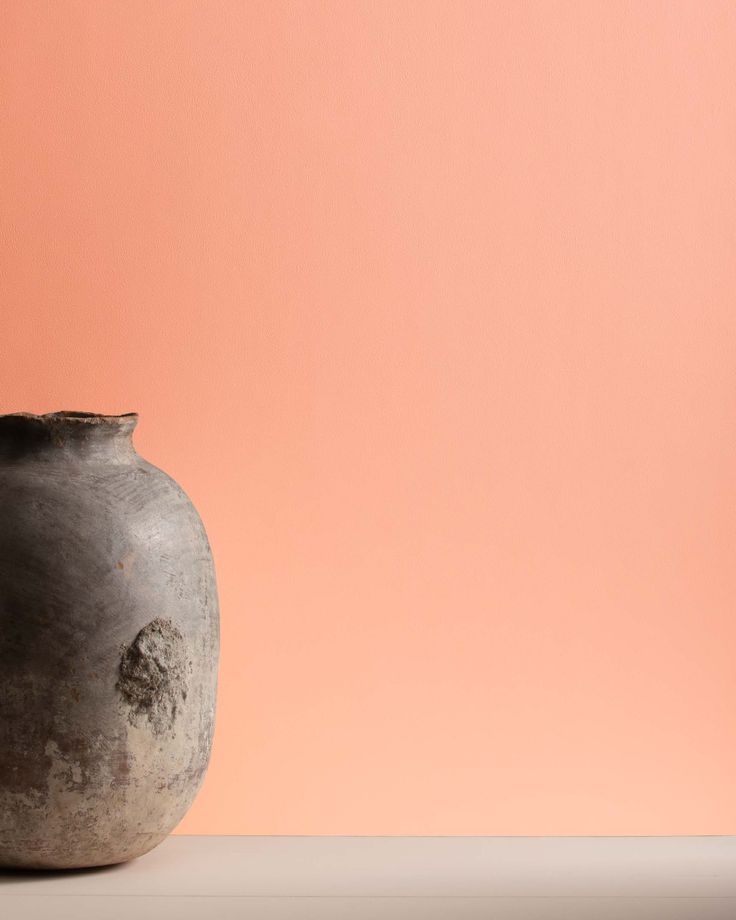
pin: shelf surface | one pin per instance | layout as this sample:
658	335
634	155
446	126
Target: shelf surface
453	878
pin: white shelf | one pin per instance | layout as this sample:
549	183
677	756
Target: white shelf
357	878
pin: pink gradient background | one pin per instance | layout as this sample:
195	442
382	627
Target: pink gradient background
430	307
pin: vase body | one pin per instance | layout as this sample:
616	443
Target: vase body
109	641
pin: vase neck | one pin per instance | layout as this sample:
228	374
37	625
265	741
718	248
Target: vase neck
68	435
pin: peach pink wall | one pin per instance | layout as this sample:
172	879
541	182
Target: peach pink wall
430	306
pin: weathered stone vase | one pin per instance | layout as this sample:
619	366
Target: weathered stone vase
109	642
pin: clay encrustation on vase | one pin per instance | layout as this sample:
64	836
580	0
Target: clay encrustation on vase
109	642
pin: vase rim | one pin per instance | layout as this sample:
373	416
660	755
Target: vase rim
67	434
82	418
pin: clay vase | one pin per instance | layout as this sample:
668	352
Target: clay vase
109	643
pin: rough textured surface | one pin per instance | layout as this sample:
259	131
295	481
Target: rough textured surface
108	644
153	674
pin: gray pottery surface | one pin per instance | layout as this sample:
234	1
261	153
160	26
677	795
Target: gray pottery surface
109	642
